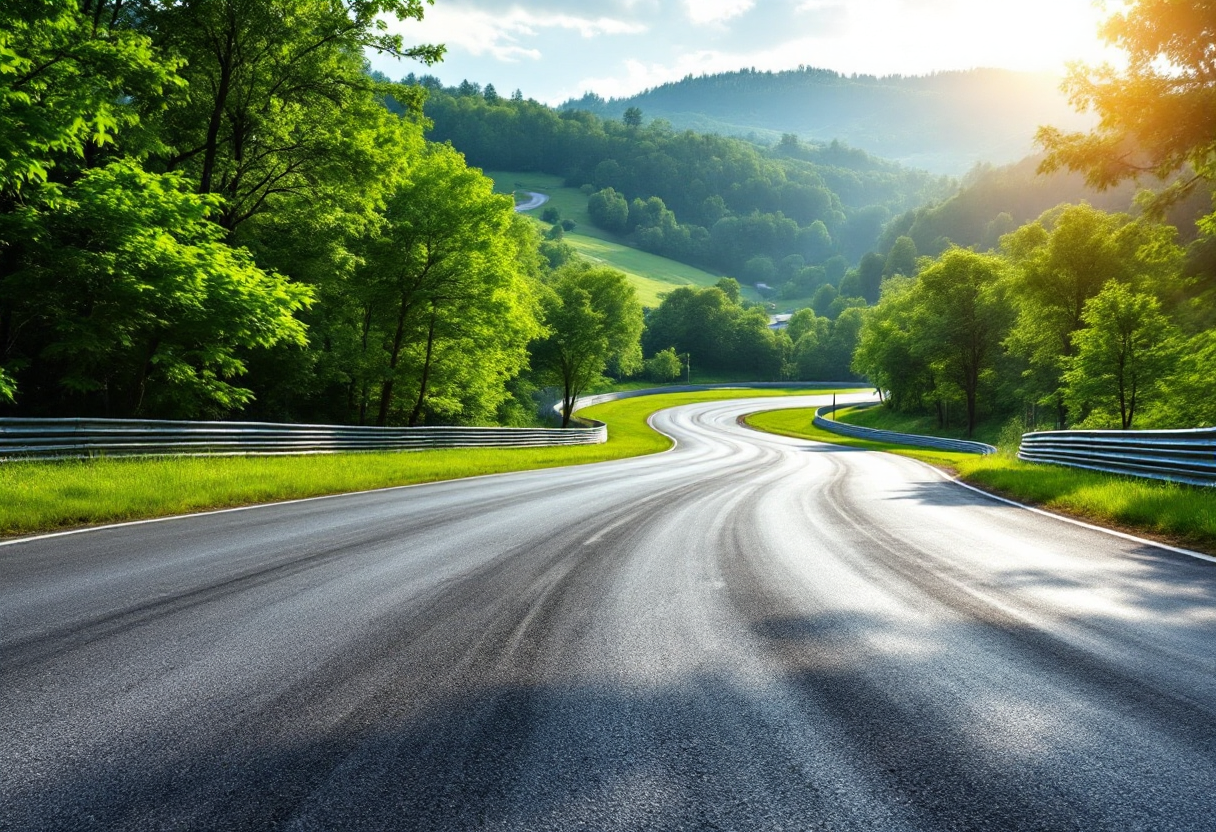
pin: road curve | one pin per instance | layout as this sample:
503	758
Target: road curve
534	200
748	632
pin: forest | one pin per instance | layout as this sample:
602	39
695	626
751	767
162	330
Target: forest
207	210
705	199
213	210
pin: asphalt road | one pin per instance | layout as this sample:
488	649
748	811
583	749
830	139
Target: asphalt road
746	633
534	201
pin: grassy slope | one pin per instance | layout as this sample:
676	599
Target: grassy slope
43	496
650	274
1174	513
881	418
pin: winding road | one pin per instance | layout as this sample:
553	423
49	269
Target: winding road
534	200
747	632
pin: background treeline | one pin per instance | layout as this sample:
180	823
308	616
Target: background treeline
206	209
944	122
993	201
708	200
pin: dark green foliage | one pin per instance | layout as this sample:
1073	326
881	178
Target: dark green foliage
703	199
278	241
720	334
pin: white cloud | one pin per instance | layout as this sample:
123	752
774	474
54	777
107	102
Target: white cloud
510	35
716	11
556	49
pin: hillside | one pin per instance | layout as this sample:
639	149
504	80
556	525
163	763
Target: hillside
996	200
651	275
944	123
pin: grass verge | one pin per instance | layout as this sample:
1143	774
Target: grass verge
883	418
1179	514
46	496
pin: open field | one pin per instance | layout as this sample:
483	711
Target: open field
1180	514
43	496
650	274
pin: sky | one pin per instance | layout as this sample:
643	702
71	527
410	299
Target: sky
554	50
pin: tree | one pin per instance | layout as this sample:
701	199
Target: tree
664	366
593	319
730	287
962	321
901	259
74	83
609	210
887	350
134	305
446	304
632	117
1155	116
1061	261
1125	355
280	108
823	297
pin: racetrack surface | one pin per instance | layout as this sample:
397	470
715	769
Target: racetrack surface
749	632
534	200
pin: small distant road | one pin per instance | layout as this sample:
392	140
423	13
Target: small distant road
534	200
749	632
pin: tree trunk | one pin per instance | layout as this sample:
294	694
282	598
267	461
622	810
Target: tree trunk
141	383
416	413
214	123
386	390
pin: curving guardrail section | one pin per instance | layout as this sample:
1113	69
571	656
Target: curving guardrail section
87	438
910	439
1186	456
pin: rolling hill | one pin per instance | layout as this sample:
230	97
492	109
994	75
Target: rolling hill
944	123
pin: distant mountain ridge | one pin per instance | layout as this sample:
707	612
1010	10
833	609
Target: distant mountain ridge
943	123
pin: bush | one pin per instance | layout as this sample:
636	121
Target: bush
664	366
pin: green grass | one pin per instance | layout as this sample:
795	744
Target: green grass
650	275
882	418
1179	514
44	496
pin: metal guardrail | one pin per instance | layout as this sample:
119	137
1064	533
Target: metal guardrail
910	439
1186	456
87	438
809	386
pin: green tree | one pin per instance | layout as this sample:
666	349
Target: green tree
593	319
888	352
1061	261
446	303
136	307
1125	356
74	83
821	301
281	110
731	288
664	366
1155	115
609	210
963	319
632	117
901	259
